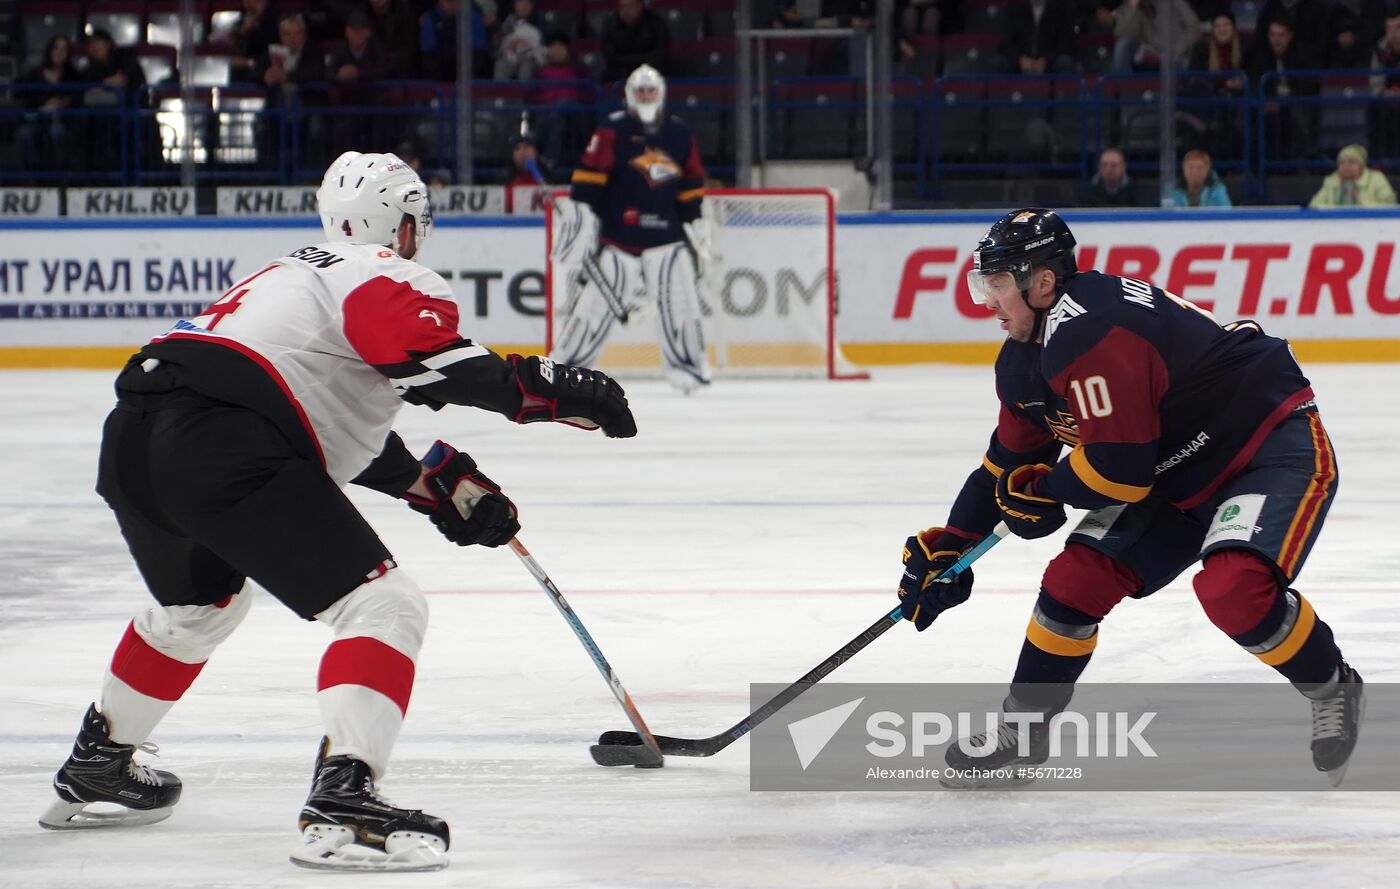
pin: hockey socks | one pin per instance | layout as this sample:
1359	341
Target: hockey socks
1059	642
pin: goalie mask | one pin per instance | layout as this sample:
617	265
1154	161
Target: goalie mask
1019	243
646	94
366	199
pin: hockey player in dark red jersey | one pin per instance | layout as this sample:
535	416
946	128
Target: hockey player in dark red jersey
636	199
1189	442
225	460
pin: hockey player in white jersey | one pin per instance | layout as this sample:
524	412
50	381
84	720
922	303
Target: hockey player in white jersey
634	227
225	460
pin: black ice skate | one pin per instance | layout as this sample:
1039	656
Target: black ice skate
989	761
346	825
101	772
1336	722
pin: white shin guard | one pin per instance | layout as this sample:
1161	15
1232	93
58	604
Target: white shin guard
169	641
367	672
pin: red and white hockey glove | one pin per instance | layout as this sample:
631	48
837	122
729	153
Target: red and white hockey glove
466	506
1025	512
577	396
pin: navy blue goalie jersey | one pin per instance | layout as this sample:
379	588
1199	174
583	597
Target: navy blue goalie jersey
642	184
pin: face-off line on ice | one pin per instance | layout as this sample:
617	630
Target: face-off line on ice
1110	367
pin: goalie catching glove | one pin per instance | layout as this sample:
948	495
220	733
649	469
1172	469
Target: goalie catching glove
578	396
1025	512
466	506
922	596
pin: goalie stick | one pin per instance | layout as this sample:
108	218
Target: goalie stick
647	754
591	270
625	748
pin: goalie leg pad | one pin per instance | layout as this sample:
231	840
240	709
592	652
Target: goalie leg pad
587	317
671	280
366	675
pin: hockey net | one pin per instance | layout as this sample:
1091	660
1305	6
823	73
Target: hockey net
769	302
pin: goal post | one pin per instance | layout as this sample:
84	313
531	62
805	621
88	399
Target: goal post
769	303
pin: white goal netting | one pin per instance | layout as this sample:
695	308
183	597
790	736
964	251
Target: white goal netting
769	302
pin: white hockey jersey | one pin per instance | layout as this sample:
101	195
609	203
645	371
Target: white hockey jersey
343	330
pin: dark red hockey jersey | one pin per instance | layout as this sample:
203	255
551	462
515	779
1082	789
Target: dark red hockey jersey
642	185
1149	391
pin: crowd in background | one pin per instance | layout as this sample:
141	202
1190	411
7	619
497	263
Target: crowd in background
349	48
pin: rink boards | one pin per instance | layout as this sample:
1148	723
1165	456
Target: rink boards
81	293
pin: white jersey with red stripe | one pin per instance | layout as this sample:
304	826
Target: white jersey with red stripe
343	329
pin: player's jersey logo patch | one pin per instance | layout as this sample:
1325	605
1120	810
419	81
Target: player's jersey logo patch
1063	310
1063	427
429	313
656	167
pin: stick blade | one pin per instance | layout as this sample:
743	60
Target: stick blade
631	739
615	755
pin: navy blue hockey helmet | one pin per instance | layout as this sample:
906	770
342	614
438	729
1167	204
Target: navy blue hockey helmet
1021	242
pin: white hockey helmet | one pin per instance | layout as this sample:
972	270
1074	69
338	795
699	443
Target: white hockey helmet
364	197
646	94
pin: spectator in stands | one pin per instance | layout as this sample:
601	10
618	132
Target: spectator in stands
1110	187
1387	57
558	76
284	68
1038	36
560	132
253	33
56	69
1385	110
519	44
110	65
46	138
1198	185
437	41
1139	29
396	27
522	151
634	36
359	61
1307	22
355	65
1353	28
120	74
1287	125
1221	53
1354	184
289	63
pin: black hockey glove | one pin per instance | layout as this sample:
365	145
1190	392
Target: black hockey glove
578	396
922	597
1025	512
466	506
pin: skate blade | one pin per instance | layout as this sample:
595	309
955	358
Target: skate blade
333	847
63	815
1336	775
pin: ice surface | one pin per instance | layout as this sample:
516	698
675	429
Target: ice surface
742	536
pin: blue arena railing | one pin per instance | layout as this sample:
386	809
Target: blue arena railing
952	128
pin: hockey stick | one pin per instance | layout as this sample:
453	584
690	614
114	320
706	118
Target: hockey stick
647	754
624	748
591	270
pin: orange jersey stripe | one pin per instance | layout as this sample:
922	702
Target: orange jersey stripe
1305	518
